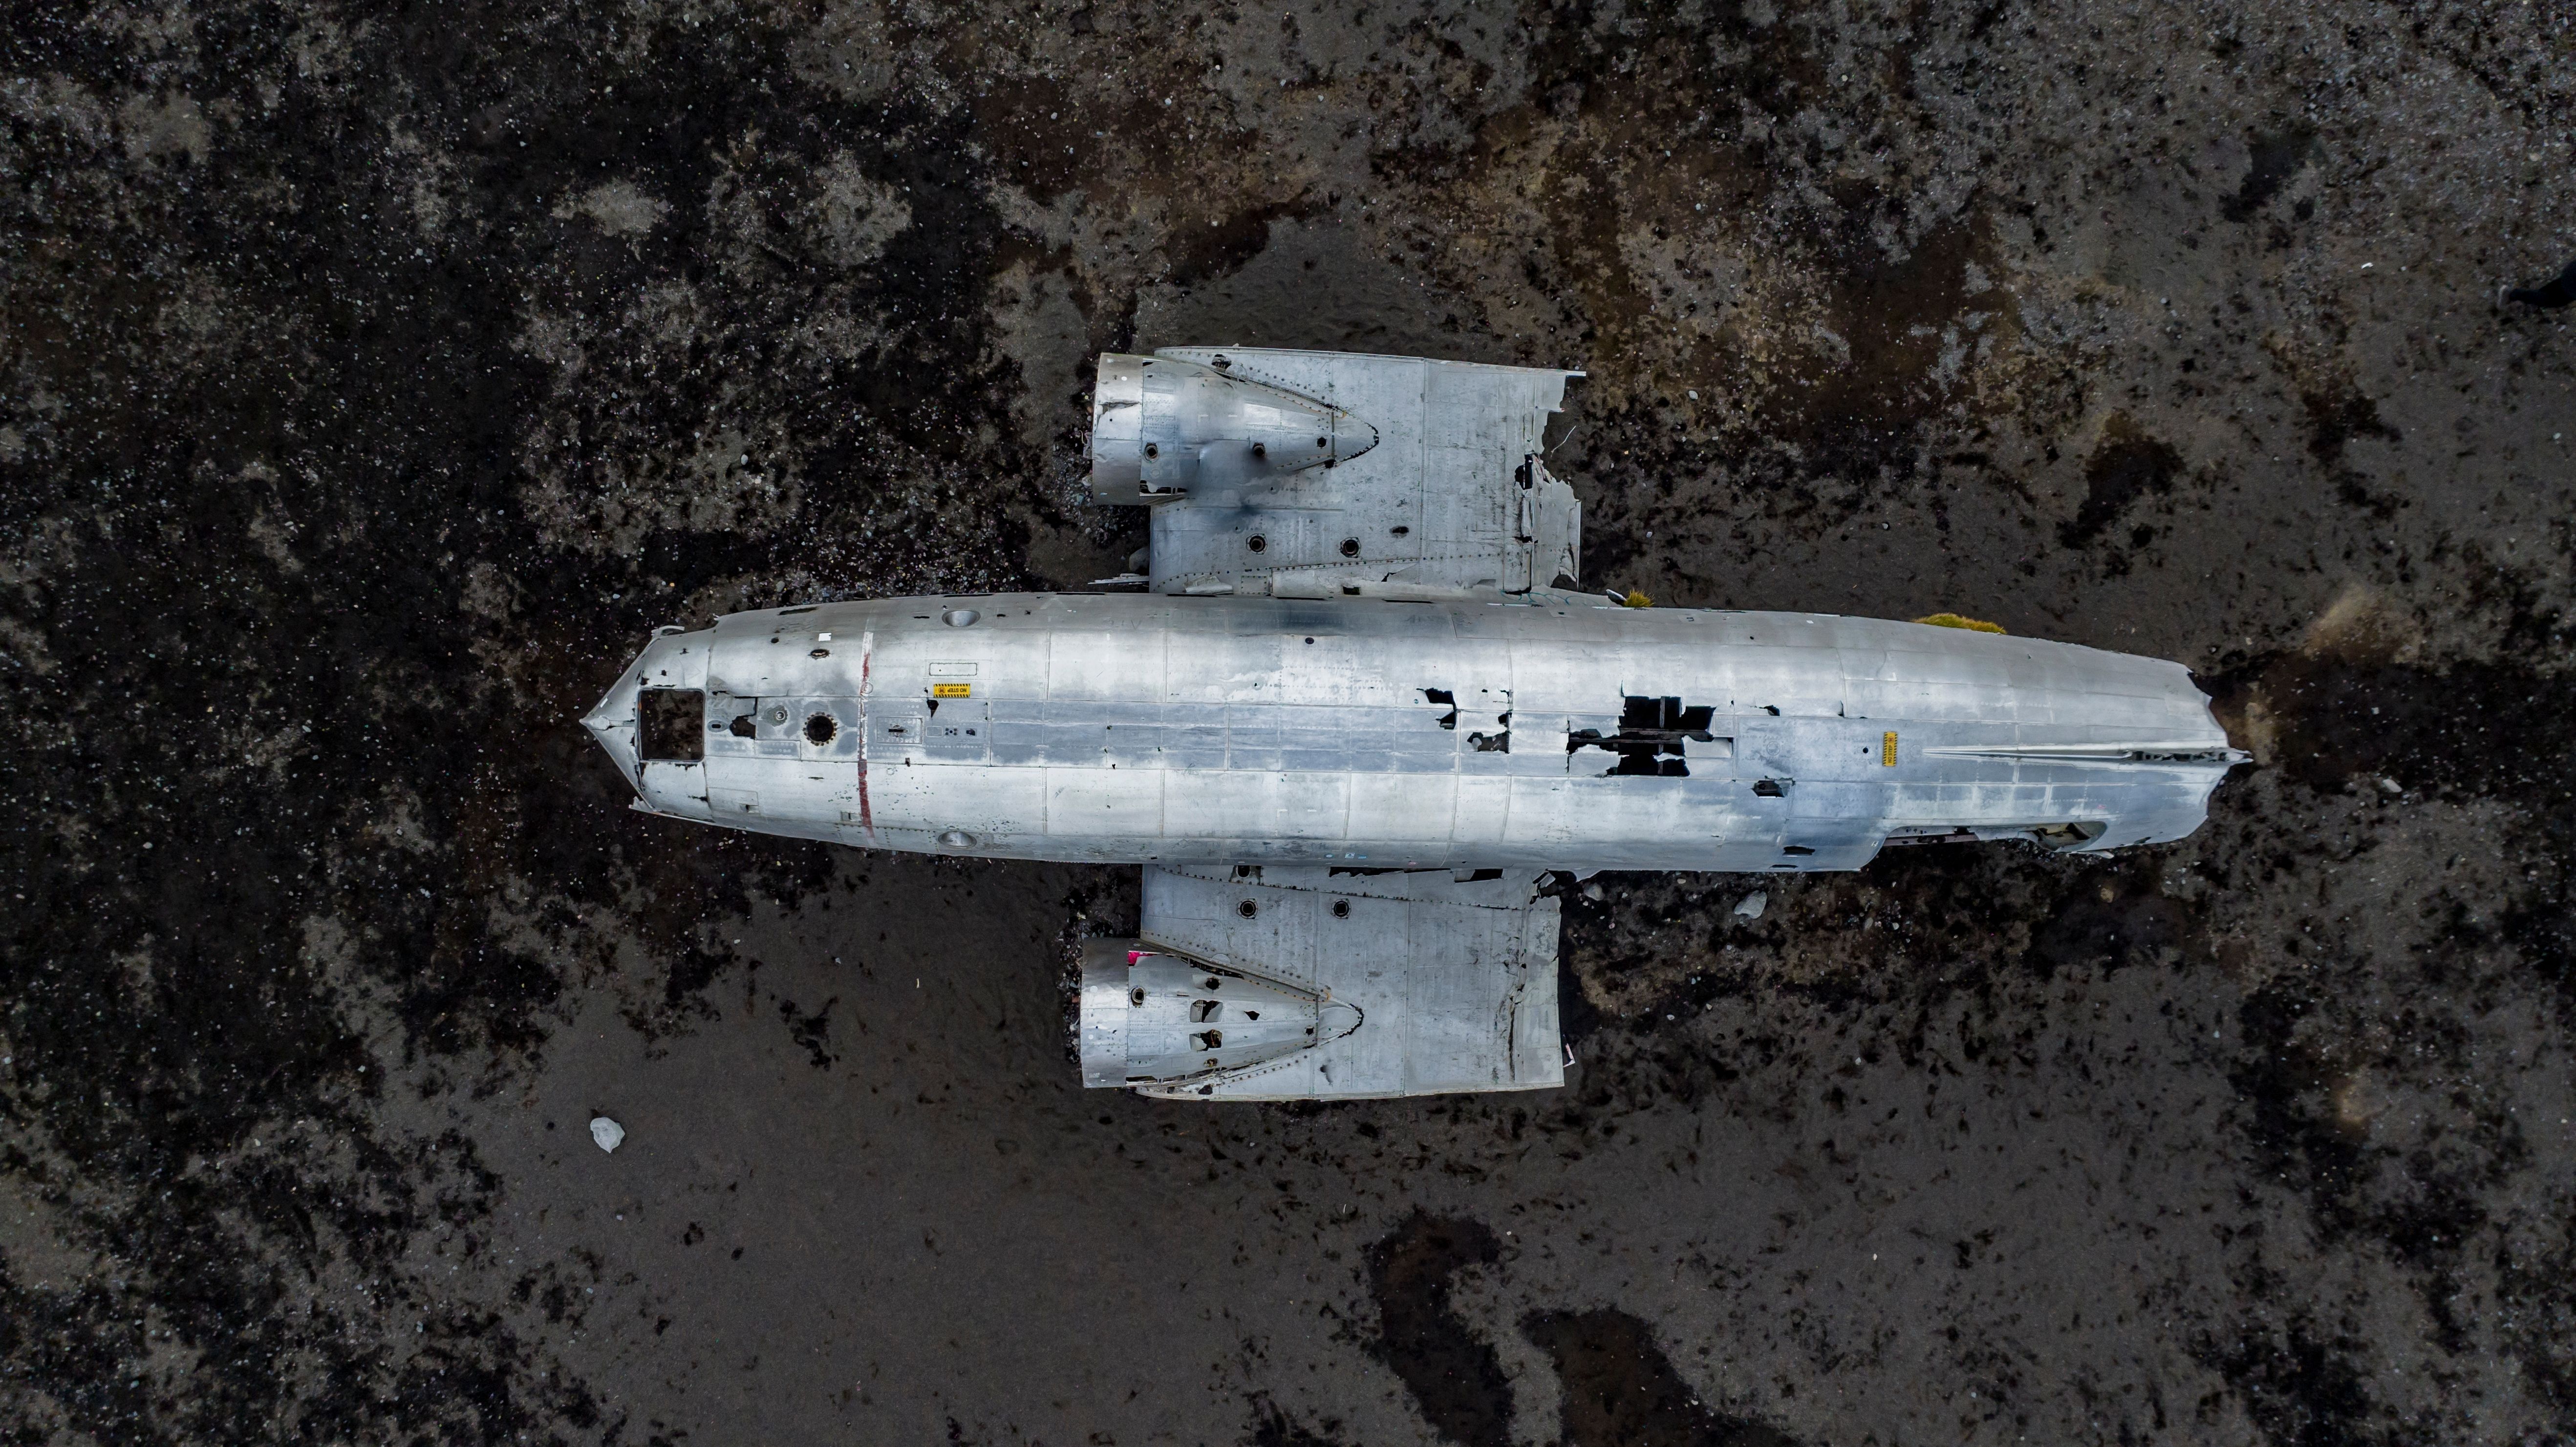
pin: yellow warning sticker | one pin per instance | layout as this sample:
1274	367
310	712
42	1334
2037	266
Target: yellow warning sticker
1887	749
952	690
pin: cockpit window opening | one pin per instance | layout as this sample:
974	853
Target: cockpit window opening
670	725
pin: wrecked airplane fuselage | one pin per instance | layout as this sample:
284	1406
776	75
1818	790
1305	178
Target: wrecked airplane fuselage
1346	795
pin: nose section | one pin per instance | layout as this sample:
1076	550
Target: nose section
612	722
674	659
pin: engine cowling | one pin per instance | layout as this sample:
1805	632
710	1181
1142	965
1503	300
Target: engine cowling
1163	428
1151	1017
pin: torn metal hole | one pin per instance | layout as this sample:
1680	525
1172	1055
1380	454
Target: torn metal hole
1444	696
744	726
1208	1040
1768	788
1202	1011
1652	731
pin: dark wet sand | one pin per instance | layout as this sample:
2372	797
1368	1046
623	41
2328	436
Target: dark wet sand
376	380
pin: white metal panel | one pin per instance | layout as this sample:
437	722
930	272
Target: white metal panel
1107	803
1432	501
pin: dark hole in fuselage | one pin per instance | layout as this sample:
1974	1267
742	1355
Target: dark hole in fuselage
1444	696
744	726
670	724
821	729
1651	733
1799	849
1767	788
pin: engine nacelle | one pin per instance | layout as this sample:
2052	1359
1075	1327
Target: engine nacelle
1151	1017
1163	428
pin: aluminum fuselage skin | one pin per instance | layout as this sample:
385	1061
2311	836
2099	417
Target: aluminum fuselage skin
1113	728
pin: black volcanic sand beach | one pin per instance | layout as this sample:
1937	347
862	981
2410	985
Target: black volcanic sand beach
373	380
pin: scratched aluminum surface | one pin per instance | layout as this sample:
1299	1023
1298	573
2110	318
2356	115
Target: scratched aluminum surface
1454	981
1421	492
1227	730
1353	685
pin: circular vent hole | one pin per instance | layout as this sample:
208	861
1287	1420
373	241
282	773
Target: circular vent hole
1153	451
1323	442
1247	909
821	729
1257	543
1350	547
1341	909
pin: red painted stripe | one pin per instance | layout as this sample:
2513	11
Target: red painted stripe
867	820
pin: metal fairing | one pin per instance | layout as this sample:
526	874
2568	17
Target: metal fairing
1310	780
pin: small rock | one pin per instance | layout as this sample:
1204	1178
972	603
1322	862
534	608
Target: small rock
1752	905
2392	786
1592	891
607	1132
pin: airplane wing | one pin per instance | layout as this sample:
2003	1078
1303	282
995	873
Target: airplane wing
1332	474
1277	983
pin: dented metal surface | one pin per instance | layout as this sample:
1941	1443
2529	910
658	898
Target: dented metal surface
1275	732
